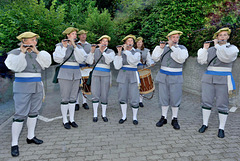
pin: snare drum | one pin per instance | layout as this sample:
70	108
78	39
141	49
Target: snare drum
147	84
86	89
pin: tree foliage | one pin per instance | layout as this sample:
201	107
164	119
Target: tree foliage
31	16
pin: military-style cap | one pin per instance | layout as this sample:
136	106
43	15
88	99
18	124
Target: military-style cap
82	32
27	35
174	33
69	30
129	36
139	38
220	30
104	36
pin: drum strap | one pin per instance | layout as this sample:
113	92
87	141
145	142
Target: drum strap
165	54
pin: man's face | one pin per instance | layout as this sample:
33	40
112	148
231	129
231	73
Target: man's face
223	36
30	41
174	38
104	42
72	35
82	37
129	41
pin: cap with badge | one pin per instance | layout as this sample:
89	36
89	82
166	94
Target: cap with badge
139	39
174	33
82	32
220	30
27	35
104	36
69	30
129	36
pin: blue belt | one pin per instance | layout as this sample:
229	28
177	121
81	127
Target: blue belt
170	73
129	69
28	79
222	74
70	67
102	69
83	65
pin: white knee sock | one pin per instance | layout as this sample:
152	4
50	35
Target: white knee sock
135	110
64	110
206	114
84	99
31	124
104	108
222	120
140	98
124	111
174	112
16	130
164	111
95	109
71	107
78	96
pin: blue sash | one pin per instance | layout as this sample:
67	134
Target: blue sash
222	74
28	79
170	73
129	69
70	67
102	69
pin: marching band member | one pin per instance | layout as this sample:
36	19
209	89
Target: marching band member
146	60
170	79
28	92
126	62
217	81
101	76
69	75
82	35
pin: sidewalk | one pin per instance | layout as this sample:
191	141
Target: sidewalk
112	141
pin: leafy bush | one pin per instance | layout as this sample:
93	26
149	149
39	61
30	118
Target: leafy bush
31	16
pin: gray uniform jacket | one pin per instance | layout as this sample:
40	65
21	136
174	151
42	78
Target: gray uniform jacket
168	61
125	75
215	62
32	67
69	73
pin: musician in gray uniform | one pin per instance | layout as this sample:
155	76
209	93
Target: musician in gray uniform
128	79
101	76
217	81
28	92
82	35
69	74
145	60
170	79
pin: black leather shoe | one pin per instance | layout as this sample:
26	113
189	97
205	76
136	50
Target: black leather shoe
85	106
34	140
161	122
141	104
121	121
135	122
105	119
67	125
77	107
203	129
73	124
175	124
15	151
95	119
221	133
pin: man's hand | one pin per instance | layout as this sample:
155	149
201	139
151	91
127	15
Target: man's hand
206	45
23	49
65	43
34	49
119	48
